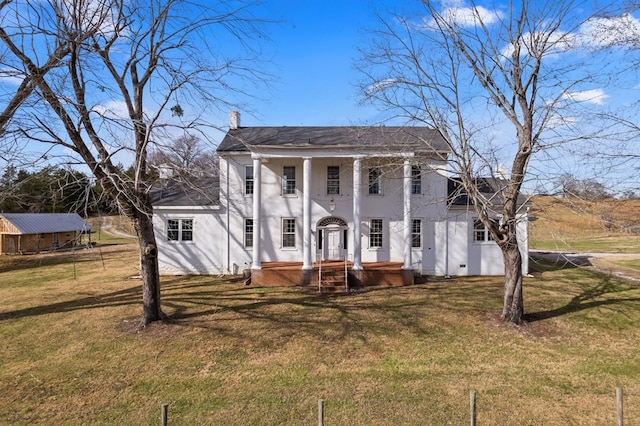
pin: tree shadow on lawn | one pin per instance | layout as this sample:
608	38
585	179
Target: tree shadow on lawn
590	298
289	310
128	296
11	263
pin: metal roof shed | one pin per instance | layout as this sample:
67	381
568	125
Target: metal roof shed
35	232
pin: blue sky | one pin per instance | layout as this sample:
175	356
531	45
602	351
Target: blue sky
314	49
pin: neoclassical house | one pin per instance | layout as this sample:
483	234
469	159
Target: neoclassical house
325	206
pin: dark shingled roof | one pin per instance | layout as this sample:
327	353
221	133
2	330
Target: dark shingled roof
204	191
488	186
44	223
421	139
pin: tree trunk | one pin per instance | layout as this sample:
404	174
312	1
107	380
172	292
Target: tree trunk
513	309
149	271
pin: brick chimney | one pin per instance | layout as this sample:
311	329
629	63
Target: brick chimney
234	120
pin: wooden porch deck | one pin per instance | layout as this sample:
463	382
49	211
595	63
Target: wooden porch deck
282	274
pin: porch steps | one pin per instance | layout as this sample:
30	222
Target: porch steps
332	280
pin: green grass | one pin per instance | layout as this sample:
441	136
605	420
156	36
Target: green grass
632	263
585	243
236	355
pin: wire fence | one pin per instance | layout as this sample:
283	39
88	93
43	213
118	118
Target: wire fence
164	415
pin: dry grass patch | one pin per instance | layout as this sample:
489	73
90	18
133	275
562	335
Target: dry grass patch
237	355
574	224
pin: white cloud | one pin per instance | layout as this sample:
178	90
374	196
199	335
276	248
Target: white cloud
11	76
381	85
89	15
594	96
458	15
609	31
112	109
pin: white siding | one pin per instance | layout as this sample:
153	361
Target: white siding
218	246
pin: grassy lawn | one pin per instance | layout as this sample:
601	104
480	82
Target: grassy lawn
579	225
631	263
238	355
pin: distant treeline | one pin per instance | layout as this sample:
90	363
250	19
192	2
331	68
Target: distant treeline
51	190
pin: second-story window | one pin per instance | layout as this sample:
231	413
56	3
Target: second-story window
248	180
288	180
333	180
375	181
416	180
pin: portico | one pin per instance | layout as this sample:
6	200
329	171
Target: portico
326	237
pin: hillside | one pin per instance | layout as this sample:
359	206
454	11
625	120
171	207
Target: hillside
610	225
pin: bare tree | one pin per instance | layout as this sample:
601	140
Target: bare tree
492	83
186	156
101	81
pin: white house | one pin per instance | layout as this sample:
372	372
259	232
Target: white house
372	201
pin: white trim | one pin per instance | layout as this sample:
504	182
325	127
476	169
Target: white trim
200	208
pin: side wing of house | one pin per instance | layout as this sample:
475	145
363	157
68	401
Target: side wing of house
190	241
468	248
189	227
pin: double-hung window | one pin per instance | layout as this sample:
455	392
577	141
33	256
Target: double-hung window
333	180
288	233
248	232
480	232
375	181
248	180
288	180
416	180
180	229
416	233
375	233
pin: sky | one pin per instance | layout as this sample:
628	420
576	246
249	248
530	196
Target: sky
313	51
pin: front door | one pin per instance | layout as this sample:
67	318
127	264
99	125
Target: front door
333	238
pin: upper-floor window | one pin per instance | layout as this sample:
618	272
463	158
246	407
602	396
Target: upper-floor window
248	232
288	232
416	233
375	181
375	233
248	180
480	232
416	180
333	180
288	180
180	229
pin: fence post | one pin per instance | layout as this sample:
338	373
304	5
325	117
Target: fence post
619	406
472	407
164	417
321	412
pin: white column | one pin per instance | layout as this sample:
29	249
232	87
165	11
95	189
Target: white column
306	214
357	219
407	214
257	212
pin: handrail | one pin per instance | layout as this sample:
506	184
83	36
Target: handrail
346	273
319	261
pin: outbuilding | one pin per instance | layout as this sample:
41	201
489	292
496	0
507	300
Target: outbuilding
22	233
